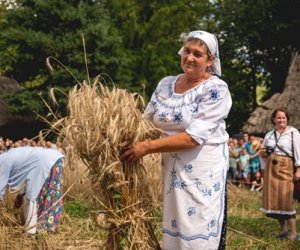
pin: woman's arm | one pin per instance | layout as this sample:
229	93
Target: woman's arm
172	143
296	145
254	155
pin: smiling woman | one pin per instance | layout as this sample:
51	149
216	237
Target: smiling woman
281	152
190	110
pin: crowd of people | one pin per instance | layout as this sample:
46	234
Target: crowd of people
245	166
7	143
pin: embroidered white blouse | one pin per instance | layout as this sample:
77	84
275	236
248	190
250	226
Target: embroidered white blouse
199	111
285	142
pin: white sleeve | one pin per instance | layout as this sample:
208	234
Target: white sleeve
4	176
296	145
213	108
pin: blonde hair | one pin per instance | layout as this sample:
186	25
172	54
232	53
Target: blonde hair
255	145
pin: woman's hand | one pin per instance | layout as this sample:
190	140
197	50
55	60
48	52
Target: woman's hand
297	173
262	152
134	152
19	200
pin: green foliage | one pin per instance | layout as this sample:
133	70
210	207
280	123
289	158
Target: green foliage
135	43
151	37
257	41
76	209
19	102
37	29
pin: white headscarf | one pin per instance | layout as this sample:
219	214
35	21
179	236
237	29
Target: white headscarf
212	44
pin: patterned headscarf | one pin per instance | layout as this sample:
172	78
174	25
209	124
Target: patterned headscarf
212	44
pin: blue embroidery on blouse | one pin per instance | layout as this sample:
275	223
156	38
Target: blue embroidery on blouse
191	211
154	104
163	116
217	186
188	168
193	108
214	94
198	99
173	223
177	117
170	89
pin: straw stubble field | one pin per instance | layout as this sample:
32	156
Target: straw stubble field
111	205
81	229
83	225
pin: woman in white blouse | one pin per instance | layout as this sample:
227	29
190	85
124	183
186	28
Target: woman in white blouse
280	147
190	109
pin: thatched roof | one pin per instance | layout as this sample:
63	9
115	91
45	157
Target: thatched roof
11	85
259	121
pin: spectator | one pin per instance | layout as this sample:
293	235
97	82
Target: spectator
233	156
280	145
254	162
245	138
257	182
243	168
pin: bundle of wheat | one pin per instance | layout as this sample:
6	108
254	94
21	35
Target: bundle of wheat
100	124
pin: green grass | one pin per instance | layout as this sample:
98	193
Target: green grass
76	209
248	228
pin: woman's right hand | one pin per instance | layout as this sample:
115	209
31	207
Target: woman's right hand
134	152
262	152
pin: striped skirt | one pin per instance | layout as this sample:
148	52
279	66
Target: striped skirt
278	186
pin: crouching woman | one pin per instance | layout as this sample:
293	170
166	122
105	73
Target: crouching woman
36	173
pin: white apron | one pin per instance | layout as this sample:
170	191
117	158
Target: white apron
194	197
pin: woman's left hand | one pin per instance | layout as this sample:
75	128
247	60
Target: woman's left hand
134	152
297	173
19	200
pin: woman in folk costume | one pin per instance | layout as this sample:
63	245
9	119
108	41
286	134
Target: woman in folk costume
280	146
190	109
36	173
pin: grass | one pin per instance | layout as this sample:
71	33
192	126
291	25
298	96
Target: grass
76	209
248	228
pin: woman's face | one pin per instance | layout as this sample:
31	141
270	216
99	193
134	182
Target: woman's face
280	120
194	59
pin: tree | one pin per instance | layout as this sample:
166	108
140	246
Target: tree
257	40
151	31
132	41
36	29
